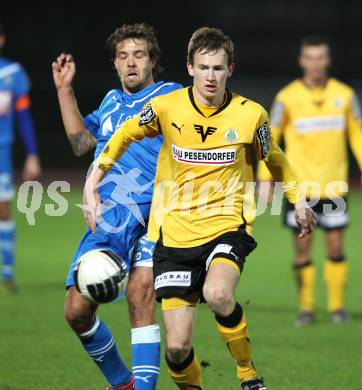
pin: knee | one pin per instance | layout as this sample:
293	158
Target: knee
79	318
219	299
177	352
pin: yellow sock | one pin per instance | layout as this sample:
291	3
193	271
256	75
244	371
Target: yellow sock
335	276
236	338
305	277
186	375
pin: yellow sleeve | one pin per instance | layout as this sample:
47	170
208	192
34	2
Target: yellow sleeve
145	124
278	119
354	125
267	150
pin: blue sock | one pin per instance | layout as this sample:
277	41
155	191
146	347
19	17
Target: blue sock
7	246
100	346
146	356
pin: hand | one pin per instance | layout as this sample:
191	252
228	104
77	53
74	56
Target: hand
305	217
63	71
32	168
91	202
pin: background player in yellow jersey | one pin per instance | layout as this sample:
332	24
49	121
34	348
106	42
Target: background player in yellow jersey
316	115
203	237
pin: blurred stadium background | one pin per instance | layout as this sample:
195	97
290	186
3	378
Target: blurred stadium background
37	350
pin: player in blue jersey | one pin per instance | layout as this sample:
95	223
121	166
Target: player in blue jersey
126	193
14	108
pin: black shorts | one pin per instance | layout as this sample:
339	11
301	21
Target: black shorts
331	214
179	272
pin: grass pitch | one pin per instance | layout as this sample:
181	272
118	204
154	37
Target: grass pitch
38	351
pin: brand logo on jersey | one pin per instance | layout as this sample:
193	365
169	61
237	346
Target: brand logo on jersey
318	103
178	128
175	278
204	157
231	136
263	134
204	134
147	115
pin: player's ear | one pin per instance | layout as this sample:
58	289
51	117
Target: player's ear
2	41
231	69
190	69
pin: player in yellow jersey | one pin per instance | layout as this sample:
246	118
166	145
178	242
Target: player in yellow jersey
202	209
316	115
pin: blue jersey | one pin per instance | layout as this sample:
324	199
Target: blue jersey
116	108
123	227
14	83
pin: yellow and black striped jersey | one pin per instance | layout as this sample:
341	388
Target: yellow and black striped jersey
204	181
316	124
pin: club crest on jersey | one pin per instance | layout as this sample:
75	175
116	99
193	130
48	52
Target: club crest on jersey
263	133
209	157
204	134
231	136
147	115
338	102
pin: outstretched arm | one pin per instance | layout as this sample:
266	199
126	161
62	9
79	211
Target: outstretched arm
146	124
79	137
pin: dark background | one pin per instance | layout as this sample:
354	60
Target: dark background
266	35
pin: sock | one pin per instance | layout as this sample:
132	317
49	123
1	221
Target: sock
187	374
234	331
146	356
7	246
335	275
305	278
100	346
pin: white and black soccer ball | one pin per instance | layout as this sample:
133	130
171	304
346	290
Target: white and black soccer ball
101	275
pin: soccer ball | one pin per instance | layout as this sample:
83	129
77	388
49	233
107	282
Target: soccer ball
101	275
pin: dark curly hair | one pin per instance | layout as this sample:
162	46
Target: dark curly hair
210	39
140	31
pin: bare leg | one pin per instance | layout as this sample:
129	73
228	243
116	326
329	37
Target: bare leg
219	289
183	365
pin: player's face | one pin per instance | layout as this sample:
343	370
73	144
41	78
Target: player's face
210	71
315	61
134	65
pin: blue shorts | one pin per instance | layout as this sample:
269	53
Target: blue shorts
130	243
6	173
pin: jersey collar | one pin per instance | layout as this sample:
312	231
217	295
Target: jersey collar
142	93
221	108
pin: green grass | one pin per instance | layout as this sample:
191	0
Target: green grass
38	351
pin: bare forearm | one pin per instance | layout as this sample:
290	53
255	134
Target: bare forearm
79	137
